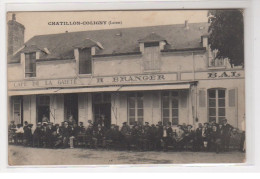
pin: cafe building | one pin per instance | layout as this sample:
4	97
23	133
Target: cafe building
156	73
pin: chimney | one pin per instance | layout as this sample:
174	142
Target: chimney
15	35
186	24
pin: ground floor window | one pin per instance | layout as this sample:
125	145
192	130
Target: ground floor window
17	109
170	107
135	108
216	107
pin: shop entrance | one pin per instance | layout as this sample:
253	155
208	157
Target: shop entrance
71	106
102	109
43	108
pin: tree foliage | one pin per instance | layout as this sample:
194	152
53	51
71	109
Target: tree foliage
226	34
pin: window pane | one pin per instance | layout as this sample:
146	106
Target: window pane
175	93
212	119
140	112
132	112
175	112
175	121
212	103
221	111
165	102
221	102
212	93
166	113
221	93
139	94
212	111
165	94
174	103
131	102
139	103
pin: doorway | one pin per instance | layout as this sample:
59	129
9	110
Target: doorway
43	107
102	107
71	106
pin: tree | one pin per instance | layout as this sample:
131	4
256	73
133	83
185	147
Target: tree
226	34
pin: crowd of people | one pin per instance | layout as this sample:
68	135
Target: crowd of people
207	137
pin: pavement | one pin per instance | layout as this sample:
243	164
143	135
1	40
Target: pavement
19	155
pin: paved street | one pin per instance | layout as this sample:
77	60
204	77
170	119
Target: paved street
19	155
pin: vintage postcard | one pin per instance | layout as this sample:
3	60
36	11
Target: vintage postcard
126	87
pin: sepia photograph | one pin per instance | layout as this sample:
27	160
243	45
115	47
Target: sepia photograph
126	87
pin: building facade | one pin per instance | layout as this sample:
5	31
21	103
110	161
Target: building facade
158	73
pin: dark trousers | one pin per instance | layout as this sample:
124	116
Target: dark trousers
225	143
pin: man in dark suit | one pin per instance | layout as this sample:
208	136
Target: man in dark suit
198	138
66	134
167	136
37	136
159	135
226	129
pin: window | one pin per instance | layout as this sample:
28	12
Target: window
216	107
151	57
170	107
30	64
85	61
135	108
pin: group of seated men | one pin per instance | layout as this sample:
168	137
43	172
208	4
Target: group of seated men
207	137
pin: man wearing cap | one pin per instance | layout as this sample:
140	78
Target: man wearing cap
48	135
227	128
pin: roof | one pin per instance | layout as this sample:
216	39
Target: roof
119	41
86	43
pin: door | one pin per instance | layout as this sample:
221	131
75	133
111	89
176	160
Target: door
43	107
71	106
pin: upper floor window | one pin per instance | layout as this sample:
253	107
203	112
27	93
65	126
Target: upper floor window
85	61
151	56
30	64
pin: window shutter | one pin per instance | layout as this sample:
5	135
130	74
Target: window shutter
232	97
202	98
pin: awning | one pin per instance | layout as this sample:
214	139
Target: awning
100	89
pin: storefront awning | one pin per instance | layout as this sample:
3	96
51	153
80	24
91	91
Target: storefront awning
100	89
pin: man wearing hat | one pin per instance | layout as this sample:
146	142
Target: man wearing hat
179	138
89	134
26	135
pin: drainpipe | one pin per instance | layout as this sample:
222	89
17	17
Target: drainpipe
195	88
